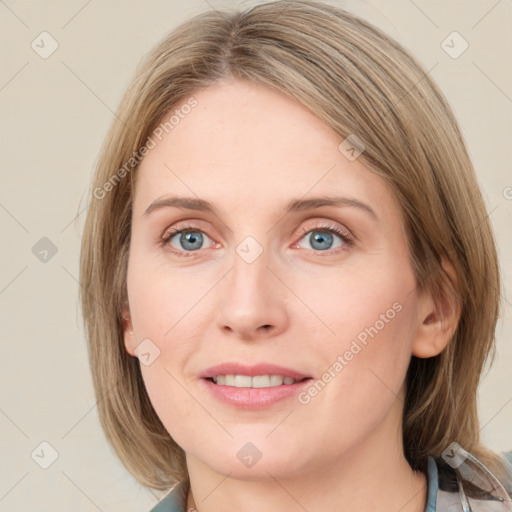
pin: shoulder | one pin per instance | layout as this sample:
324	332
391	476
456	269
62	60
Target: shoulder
175	501
508	461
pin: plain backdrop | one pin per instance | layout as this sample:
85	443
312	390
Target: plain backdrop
55	112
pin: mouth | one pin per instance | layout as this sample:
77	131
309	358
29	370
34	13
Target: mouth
257	381
261	375
253	387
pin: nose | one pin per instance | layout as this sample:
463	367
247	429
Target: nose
253	300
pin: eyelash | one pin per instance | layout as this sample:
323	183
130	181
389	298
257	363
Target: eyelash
347	239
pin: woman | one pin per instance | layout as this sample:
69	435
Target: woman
289	281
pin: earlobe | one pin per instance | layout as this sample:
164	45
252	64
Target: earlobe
438	319
129	338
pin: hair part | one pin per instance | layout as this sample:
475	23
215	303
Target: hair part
358	81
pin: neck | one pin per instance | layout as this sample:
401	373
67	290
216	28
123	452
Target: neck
405	491
371	476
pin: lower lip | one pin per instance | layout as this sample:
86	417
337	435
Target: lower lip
254	398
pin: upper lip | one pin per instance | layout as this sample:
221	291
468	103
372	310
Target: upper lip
251	370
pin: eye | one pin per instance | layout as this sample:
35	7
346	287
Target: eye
322	238
186	240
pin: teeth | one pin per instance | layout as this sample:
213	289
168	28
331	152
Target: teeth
276	380
240	381
263	381
258	381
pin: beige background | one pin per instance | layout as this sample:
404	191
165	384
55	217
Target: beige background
55	114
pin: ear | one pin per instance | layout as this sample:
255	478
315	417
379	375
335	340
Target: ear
437	321
129	337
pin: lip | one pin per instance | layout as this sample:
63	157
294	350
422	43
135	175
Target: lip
253	370
253	398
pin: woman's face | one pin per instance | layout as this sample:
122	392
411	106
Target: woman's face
263	278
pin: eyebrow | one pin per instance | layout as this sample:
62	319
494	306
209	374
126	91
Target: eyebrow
295	205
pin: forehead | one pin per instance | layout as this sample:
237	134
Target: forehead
250	145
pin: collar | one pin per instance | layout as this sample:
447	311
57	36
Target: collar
175	501
459	482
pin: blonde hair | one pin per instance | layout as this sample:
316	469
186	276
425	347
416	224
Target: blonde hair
358	81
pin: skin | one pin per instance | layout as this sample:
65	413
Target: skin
249	150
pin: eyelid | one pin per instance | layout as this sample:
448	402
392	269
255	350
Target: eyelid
329	225
185	225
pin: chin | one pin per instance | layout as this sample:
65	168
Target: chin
249	463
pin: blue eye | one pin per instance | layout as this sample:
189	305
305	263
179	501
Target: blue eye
188	240
321	239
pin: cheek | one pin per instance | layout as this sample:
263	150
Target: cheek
160	298
165	310
364	367
370	301
178	411
367	323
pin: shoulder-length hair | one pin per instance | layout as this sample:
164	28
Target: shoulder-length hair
358	81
